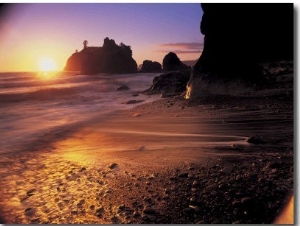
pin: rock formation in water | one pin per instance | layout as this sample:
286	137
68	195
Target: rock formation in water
150	66
171	62
169	84
238	37
110	58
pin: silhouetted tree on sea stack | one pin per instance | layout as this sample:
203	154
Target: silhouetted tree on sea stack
239	36
85	42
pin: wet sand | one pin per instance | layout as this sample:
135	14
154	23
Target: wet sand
170	161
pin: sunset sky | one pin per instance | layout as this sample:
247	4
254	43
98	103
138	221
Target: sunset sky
30	32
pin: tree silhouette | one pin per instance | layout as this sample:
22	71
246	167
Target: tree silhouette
85	42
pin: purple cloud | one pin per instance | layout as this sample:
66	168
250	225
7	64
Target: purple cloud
181	47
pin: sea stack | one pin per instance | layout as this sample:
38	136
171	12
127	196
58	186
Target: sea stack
110	58
238	37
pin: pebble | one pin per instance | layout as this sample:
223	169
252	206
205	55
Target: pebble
196	184
227	169
29	211
214	193
149	210
211	187
152	218
113	165
30	192
246	200
183	174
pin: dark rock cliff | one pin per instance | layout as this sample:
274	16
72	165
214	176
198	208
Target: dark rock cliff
110	58
239	36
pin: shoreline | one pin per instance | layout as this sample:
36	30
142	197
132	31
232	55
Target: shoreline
144	174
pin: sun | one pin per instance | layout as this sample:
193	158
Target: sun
47	64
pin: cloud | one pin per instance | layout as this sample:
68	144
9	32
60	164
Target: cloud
180	47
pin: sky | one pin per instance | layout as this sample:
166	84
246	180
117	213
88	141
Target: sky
32	31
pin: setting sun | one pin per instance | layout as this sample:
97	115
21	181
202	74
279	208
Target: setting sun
47	64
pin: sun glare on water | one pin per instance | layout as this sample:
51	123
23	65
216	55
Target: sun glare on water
47	67
47	64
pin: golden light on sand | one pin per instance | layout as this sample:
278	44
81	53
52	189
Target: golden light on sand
47	64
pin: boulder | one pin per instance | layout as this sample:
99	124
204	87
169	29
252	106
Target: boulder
150	66
171	62
169	84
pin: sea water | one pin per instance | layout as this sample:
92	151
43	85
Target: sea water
33	105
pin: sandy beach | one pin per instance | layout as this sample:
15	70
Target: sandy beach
170	161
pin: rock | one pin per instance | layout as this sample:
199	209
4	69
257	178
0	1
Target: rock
196	184
134	101
227	169
110	58
141	148
273	165
30	212
184	174
188	211
214	193
123	87
246	200
171	62
211	187
149	210
152	217
113	165
169	84
149	66
30	192
256	140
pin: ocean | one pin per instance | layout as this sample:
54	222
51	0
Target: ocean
33	105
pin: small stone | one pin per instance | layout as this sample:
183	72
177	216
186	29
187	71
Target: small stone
152	218
92	207
246	200
123	87
255	140
133	101
211	187
82	169
100	210
141	148
29	211
167	190
188	211
113	165
30	192
183	174
227	169
214	193
149	210
196	184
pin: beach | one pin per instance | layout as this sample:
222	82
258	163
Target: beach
219	159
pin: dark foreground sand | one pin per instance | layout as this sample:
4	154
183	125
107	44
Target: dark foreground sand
171	161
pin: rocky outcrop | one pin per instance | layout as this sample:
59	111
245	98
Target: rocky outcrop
150	66
169	84
237	38
110	58
171	62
